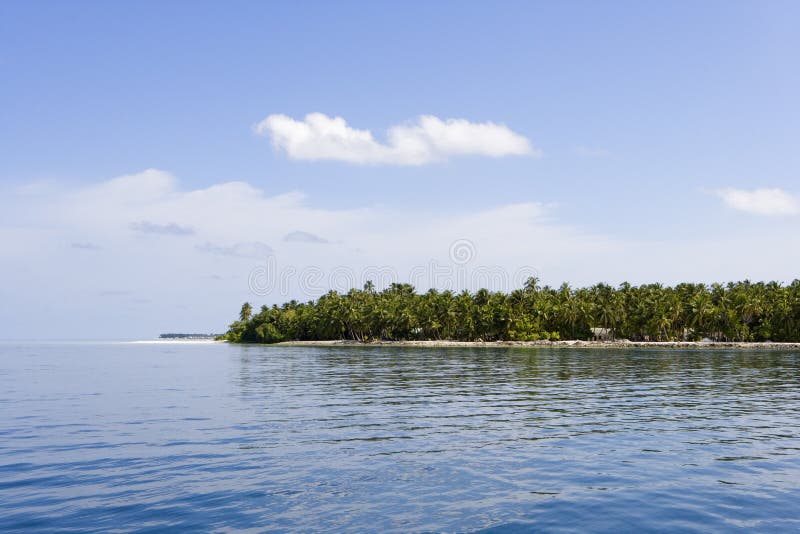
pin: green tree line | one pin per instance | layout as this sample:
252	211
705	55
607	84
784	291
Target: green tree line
737	311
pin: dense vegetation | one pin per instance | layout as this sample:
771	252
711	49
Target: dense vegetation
741	311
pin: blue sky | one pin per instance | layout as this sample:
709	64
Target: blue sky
662	145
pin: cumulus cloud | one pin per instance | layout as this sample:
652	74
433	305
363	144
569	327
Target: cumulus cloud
304	237
427	139
771	202
147	227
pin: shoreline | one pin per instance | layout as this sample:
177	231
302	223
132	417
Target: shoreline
550	344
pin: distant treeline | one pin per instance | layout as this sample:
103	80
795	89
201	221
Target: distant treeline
740	311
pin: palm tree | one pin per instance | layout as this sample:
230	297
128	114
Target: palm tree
246	312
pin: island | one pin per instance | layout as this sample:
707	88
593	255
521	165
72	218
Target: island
734	313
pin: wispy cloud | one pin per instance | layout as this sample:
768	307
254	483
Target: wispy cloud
304	237
34	189
235	224
769	202
251	250
113	293
86	246
592	152
147	227
426	140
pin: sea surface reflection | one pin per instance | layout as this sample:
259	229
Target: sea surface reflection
116	436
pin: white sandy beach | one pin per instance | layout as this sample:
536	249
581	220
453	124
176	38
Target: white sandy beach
555	344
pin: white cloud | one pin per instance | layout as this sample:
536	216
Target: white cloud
165	283
428	139
760	201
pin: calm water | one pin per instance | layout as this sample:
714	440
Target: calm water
117	437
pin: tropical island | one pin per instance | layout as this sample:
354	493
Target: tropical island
732	313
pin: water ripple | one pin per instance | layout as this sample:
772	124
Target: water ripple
117	438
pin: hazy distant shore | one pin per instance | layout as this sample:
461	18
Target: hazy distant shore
176	341
553	344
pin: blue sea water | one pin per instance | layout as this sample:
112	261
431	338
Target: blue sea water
118	437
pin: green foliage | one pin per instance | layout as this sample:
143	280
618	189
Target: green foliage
246	312
741	311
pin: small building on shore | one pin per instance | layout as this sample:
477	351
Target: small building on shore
601	334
